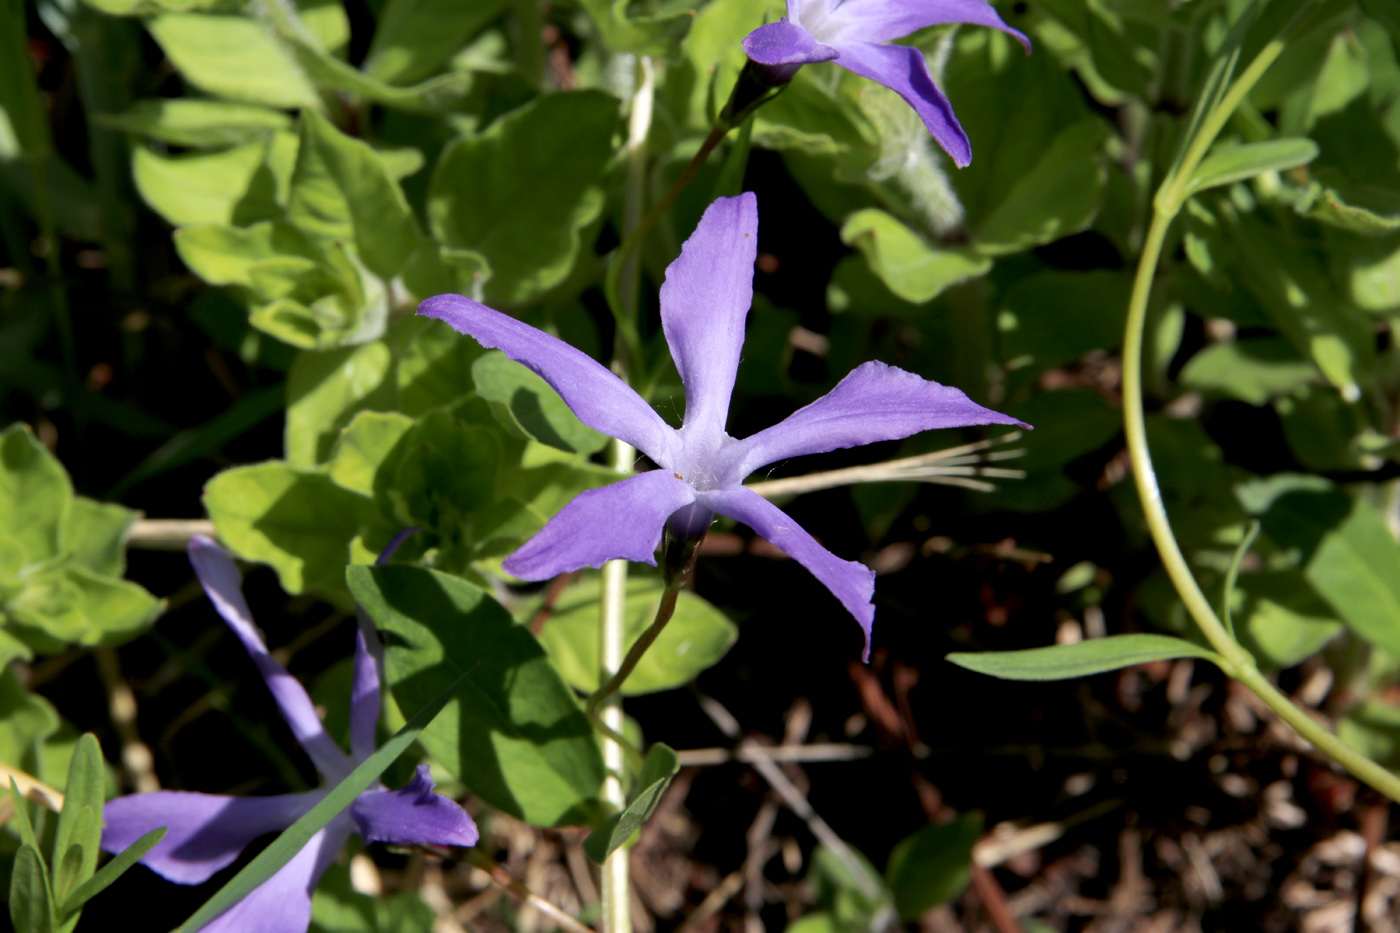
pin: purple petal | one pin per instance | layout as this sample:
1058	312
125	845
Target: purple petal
368	671
622	520
903	70
282	903
875	402
413	815
786	43
206	831
850	581
221	581
886	20
599	399
704	301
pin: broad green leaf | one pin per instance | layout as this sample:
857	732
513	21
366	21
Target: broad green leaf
932	866
292	518
528	403
1281	620
659	767
325	390
450	474
521	192
80	821
817	117
336	907
1061	662
1344	77
199	124
1348	554
30	897
514	734
36	497
652	33
74	605
697	636
1373	729
97	535
818	922
342	190
204	188
113	870
414	39
235	57
226	255
365	444
27	723
292	840
436	94
911	268
1252	369
434	364
1054	318
1060	195
1235	162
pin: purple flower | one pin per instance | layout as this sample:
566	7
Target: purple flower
704	302
208	831
855	34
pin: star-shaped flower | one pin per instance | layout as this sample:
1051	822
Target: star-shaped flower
855	34
704	302
208	831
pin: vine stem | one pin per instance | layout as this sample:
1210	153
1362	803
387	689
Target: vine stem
1237	662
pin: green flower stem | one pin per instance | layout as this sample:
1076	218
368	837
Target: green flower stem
1238	663
639	647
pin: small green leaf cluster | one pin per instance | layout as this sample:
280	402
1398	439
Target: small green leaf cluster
62	557
47	894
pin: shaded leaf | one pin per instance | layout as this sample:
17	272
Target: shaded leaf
932	866
1061	662
659	767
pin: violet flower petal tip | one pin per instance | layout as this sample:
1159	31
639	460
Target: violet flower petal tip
412	815
786	43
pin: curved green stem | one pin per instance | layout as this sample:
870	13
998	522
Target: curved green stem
1237	662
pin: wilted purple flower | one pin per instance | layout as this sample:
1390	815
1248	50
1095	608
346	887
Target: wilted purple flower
855	34
704	302
208	831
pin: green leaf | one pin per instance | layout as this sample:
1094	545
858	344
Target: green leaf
97	535
1234	162
1360	209
911	268
292	518
521	192
80	821
295	837
71	604
1348	554
24	130
515	734
434	95
434	364
114	869
695	639
1373	729
30	900
1058	196
653	33
363	449
1054	318
1281	620
1253	369
199	124
36	496
529	403
415	38
1061	662
660	766
235	57
342	190
204	188
337	907
932	866
325	390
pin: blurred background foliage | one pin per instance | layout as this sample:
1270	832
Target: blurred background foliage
217	217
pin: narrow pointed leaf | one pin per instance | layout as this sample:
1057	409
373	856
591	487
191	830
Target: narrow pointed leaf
29	893
1229	164
658	769
113	870
1061	662
79	829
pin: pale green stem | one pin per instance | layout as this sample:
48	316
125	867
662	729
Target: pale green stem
1237	662
616	885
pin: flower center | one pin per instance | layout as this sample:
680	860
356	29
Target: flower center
706	460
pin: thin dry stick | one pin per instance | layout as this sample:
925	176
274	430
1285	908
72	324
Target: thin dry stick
121	709
815	751
30	788
713	902
512	885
